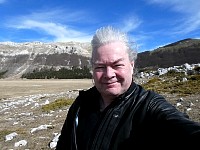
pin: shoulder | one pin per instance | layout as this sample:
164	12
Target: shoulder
153	101
147	95
88	93
87	97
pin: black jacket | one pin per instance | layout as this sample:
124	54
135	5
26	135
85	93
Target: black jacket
135	120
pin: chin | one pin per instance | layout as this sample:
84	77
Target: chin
112	92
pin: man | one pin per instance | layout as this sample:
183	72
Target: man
117	113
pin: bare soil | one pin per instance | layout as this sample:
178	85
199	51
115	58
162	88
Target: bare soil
20	110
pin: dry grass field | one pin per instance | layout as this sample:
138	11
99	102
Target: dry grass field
15	88
21	103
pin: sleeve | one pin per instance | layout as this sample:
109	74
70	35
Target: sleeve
170	122
65	140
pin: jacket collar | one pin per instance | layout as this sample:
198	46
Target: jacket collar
92	95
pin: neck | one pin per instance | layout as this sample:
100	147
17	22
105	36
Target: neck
105	101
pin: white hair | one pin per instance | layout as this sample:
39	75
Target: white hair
108	34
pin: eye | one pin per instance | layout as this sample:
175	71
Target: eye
118	65
99	67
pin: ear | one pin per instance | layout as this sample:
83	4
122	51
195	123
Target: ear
132	65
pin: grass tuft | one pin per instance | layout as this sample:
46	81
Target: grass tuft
174	83
57	104
3	133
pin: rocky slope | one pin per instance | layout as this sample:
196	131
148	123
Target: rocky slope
19	58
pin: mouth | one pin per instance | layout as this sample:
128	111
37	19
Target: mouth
110	84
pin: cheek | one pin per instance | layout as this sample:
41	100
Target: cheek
97	75
125	72
122	72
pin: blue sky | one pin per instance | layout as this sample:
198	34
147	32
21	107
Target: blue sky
149	23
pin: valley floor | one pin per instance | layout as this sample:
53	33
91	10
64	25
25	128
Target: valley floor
21	113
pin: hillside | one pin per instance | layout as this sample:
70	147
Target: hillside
19	58
174	54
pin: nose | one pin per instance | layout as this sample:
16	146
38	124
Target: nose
110	72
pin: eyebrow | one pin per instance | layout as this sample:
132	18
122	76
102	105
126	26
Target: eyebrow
114	62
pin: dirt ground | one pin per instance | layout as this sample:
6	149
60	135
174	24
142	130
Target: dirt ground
21	113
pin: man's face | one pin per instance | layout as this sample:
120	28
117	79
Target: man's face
112	69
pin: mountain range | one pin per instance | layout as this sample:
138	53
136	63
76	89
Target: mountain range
174	54
19	58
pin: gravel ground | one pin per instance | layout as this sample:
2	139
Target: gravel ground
21	113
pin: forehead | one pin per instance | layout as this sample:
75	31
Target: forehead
111	52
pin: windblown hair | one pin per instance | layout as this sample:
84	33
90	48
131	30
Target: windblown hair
108	34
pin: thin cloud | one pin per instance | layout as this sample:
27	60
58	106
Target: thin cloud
47	23
58	14
182	6
58	31
190	20
130	23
